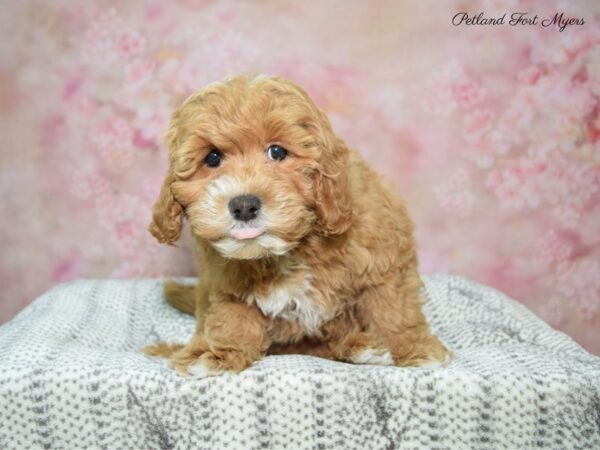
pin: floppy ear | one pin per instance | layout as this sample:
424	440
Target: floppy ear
332	189
167	214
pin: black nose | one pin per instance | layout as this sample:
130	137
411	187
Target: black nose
244	207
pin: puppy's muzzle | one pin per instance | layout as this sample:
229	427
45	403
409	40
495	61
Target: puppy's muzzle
244	207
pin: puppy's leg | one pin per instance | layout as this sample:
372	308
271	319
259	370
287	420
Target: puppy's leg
361	348
353	347
393	313
347	341
233	336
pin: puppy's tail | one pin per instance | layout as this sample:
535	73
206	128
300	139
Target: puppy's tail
181	296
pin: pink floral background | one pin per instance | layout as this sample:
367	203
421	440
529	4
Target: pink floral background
492	134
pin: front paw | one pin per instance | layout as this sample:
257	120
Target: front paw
210	362
439	361
438	354
429	352
375	356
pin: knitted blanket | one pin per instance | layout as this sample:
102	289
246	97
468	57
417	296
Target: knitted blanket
72	376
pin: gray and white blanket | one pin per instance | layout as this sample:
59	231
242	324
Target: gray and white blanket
72	376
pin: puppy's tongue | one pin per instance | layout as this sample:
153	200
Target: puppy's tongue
247	233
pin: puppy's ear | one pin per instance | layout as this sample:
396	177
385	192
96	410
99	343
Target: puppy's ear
333	202
332	189
167	214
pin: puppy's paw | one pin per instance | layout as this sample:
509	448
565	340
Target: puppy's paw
186	356
211	363
427	353
203	368
376	356
436	363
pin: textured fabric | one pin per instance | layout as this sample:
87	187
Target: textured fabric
72	376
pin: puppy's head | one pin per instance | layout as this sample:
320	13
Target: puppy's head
255	167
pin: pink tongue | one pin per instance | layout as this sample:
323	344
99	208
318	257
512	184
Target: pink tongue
247	233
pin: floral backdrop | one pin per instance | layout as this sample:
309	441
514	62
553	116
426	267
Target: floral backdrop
491	133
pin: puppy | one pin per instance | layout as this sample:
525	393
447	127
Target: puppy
301	246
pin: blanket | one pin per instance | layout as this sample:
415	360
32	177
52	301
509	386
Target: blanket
72	376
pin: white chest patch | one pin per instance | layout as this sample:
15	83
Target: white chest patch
293	302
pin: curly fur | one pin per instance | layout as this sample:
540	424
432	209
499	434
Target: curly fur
334	273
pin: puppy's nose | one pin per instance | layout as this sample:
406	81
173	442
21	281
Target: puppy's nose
244	207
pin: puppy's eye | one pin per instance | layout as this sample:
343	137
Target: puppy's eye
213	159
276	153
